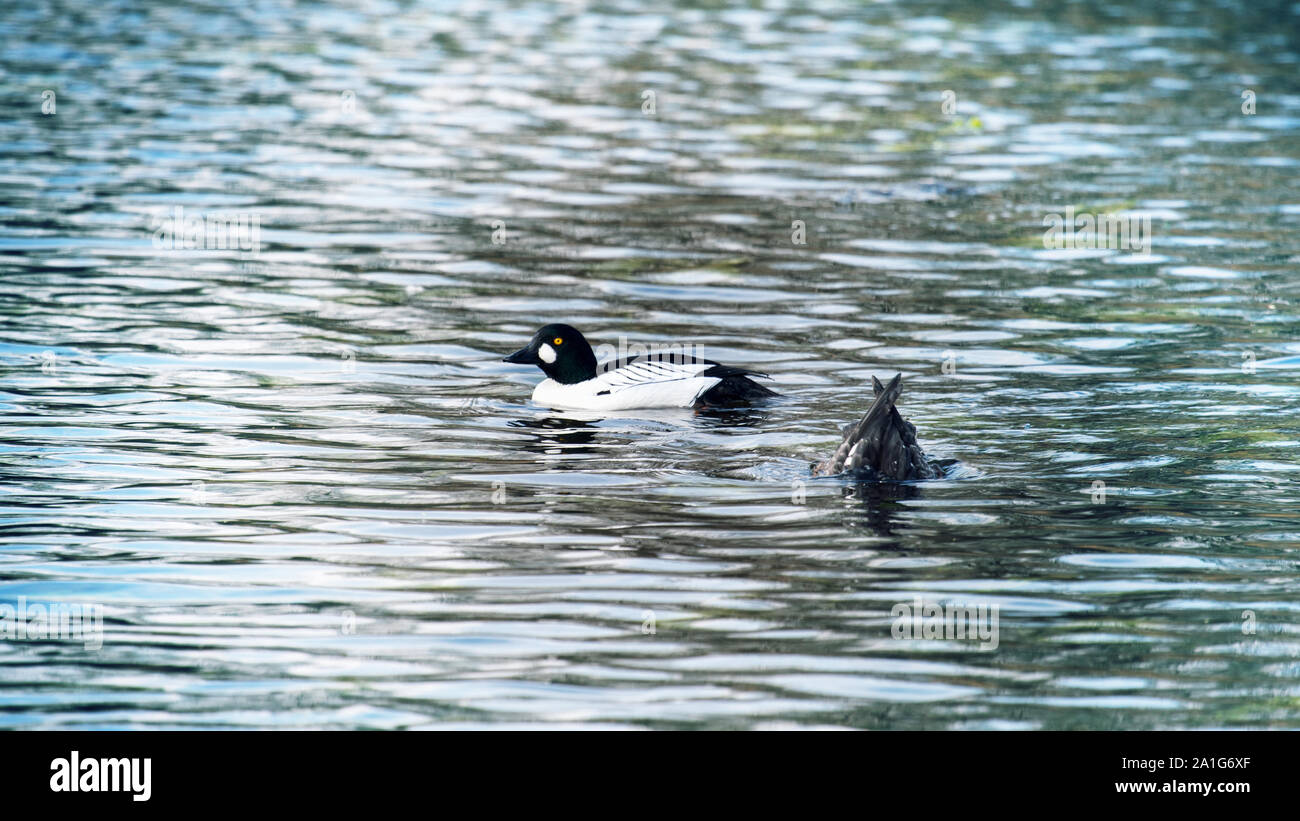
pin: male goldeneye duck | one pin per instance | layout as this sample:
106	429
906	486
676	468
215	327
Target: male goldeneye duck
656	380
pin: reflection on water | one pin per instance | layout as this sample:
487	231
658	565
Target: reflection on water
307	493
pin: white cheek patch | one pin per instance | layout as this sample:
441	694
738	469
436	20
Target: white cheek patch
547	353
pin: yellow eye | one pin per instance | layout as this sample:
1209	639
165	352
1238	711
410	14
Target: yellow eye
558	341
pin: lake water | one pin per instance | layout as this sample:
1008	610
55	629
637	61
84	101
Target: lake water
306	492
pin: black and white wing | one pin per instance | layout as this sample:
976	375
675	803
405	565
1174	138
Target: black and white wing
656	381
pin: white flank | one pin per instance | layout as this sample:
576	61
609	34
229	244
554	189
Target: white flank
642	384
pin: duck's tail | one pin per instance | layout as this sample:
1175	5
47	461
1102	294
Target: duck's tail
882	445
734	388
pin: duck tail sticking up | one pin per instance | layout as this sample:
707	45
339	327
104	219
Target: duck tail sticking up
882	445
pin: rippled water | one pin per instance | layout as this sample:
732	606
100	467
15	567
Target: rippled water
307	492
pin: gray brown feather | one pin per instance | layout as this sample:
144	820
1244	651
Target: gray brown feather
882	444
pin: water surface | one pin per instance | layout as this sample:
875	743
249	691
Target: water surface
308	494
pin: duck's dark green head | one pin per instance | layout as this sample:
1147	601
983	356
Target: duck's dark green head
561	352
